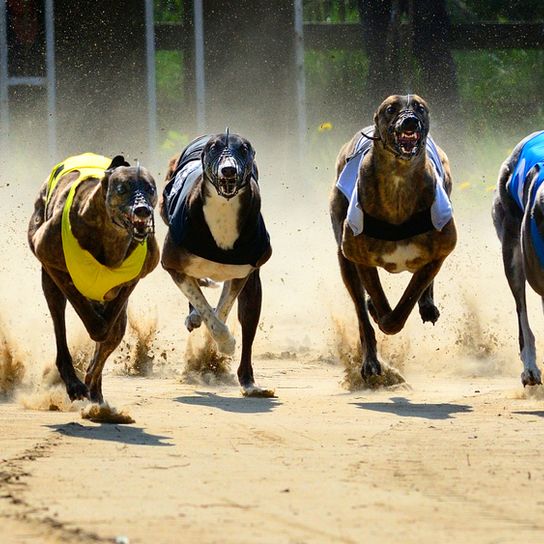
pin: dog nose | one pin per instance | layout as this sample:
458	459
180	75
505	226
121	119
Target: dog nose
409	124
228	171
142	212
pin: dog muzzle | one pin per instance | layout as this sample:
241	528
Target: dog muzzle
138	218
227	175
407	134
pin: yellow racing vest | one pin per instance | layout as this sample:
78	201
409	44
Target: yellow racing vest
91	278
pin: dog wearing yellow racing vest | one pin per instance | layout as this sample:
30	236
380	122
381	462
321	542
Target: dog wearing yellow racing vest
93	232
390	209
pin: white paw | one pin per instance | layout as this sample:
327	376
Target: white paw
254	390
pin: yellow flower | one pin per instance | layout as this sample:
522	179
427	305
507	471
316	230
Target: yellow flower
323	127
463	186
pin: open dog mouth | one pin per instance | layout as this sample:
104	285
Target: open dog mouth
138	222
408	142
228	186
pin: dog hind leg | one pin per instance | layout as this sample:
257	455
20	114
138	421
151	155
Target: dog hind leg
352	280
513	268
93	376
249	313
220	333
427	309
56	301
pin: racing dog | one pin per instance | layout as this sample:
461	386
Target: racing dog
93	232
390	209
212	204
518	215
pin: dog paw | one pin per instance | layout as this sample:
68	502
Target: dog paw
254	390
77	390
429	312
531	377
371	367
371	309
193	321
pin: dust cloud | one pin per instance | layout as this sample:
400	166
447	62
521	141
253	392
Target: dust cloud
304	300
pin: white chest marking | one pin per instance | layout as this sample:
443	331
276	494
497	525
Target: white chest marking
401	256
221	215
202	268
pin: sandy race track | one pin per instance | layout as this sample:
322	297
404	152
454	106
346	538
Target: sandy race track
448	461
454	457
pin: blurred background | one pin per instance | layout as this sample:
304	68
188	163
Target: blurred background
146	76
298	78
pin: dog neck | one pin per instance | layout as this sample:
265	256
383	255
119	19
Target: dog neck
225	217
114	244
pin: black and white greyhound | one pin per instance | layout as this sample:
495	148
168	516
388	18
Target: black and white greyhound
518	215
212	206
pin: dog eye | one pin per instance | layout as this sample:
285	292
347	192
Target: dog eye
150	189
390	109
121	189
421	108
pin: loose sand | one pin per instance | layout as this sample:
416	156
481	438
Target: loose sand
454	455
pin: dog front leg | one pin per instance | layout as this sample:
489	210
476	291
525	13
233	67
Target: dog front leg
394	322
94	322
219	331
93	376
56	301
249	313
352	276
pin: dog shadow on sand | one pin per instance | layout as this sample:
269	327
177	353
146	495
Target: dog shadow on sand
402	407
112	433
240	405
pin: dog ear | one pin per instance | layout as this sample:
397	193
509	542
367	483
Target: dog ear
117	161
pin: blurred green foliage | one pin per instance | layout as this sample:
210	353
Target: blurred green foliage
499	90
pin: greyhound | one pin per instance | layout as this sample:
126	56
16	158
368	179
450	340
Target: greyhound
390	209
211	204
518	216
92	230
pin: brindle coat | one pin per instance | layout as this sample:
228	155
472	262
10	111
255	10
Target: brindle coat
395	188
95	206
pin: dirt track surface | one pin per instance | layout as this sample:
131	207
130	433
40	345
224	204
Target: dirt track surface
449	460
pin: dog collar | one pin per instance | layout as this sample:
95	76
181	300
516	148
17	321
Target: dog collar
91	278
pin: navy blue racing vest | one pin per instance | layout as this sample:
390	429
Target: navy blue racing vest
192	232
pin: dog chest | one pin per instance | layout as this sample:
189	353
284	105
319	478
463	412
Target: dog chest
403	258
221	215
197	267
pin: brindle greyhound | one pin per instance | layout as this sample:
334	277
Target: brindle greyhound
212	205
518	215
391	210
92	230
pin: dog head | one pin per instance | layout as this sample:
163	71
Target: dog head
228	162
131	195
402	124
